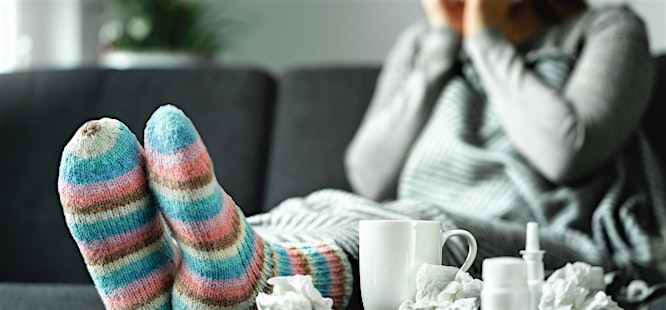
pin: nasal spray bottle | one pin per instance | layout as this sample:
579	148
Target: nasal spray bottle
533	257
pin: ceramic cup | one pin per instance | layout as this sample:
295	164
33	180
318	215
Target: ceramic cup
390	254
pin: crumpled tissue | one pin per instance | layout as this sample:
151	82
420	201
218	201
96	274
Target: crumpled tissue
569	288
444	288
293	293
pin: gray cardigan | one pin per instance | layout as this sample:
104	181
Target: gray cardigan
565	134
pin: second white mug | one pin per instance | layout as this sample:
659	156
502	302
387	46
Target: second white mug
390	253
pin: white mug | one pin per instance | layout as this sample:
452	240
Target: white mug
391	252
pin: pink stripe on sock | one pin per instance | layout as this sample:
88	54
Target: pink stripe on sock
107	246
186	171
188	153
182	165
87	194
207	230
138	290
224	289
333	264
295	261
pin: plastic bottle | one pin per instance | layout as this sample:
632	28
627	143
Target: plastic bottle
533	257
597	283
504	284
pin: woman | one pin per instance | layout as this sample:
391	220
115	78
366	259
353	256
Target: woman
492	114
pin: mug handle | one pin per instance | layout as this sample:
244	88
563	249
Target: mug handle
471	241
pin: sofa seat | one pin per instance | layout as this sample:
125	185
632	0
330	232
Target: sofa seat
43	296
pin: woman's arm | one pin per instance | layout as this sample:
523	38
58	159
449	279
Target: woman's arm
568	133
410	81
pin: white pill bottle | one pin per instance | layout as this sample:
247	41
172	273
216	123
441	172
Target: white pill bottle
504	284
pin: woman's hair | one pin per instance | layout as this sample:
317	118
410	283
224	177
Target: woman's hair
553	11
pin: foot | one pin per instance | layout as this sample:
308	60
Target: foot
225	262
112	217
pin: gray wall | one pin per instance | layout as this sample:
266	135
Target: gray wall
287	33
275	34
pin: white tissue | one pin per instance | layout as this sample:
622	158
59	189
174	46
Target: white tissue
600	301
568	288
444	288
293	293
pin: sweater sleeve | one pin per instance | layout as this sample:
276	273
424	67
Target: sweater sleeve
565	134
410	81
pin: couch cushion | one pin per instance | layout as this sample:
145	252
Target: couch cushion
17	296
40	111
317	112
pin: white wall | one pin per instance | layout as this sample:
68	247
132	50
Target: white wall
8	25
48	33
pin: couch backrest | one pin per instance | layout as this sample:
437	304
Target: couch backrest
655	118
40	111
317	113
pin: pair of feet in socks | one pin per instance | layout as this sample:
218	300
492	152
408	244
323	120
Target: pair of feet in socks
116	198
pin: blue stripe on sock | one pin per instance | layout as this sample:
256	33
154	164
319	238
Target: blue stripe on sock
283	268
131	272
176	303
191	210
87	232
225	268
320	267
169	130
166	305
120	159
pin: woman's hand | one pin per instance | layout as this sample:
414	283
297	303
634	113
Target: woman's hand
445	13
480	14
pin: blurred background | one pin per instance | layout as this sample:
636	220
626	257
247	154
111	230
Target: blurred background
275	34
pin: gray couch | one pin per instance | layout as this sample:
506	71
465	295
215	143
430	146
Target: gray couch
270	138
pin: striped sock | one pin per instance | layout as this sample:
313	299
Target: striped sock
225	262
112	217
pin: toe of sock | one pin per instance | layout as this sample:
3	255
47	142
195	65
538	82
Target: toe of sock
99	150
169	129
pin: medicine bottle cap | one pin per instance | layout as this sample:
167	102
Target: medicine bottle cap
597	278
504	271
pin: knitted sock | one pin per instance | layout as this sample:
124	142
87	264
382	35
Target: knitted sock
225	262
112	217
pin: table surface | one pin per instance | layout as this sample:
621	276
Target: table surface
42	296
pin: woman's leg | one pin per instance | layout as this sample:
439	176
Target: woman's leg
225	262
111	216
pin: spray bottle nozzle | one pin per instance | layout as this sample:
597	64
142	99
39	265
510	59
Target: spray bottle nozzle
532	245
533	255
532	242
